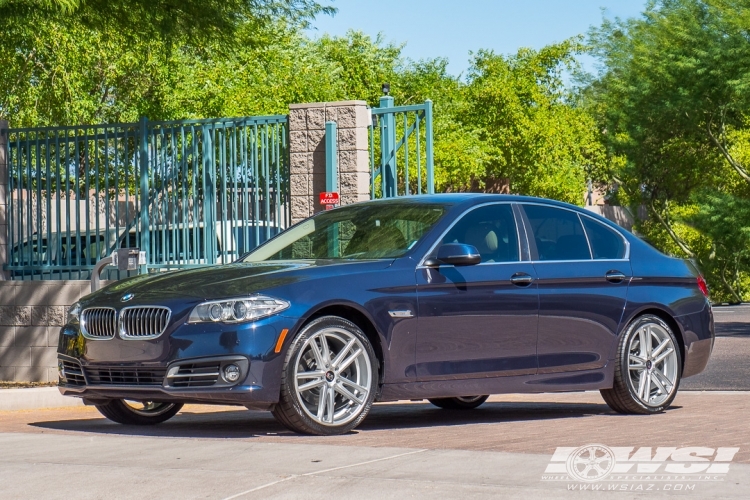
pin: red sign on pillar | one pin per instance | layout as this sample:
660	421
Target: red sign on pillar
331	199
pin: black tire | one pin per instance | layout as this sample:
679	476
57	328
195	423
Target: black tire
462	403
622	397
290	411
121	412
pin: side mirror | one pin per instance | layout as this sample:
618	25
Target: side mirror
456	254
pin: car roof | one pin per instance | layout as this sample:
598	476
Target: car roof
468	199
463	201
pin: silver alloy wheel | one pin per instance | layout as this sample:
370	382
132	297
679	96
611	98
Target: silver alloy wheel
333	376
652	364
147	408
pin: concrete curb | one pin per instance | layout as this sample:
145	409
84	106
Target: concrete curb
35	398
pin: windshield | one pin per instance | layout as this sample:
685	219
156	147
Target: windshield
368	231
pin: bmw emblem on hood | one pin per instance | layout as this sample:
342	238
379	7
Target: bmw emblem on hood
127	297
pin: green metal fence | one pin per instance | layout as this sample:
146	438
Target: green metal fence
189	193
401	150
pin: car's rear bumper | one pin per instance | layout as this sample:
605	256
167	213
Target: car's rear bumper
699	336
696	357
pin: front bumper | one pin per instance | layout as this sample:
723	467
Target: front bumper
186	364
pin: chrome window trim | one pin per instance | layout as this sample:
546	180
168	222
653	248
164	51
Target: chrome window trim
520	215
82	323
581	214
586	235
516	262
498	263
120	325
577	261
461	216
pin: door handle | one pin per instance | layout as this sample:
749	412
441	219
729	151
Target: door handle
614	276
521	279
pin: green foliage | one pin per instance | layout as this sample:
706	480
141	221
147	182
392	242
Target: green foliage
361	64
664	126
670	76
64	73
195	22
91	61
534	136
72	68
725	220
673	99
460	155
277	67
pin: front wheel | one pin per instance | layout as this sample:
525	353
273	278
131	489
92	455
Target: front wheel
329	378
138	413
459	403
647	369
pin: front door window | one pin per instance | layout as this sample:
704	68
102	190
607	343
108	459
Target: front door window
491	229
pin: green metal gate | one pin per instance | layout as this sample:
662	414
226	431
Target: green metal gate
189	193
401	150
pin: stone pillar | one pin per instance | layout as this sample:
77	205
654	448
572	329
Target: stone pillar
307	153
3	198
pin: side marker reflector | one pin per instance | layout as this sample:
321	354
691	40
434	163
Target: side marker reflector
280	342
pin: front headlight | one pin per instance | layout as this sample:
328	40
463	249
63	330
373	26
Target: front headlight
236	310
73	312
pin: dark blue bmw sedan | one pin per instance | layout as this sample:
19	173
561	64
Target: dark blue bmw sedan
444	297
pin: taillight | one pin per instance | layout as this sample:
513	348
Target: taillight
702	285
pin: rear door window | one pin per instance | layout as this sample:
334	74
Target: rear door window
558	233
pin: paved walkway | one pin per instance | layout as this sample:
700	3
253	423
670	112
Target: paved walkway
510	423
502	448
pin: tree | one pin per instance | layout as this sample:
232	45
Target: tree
78	61
534	134
673	101
195	22
725	219
67	69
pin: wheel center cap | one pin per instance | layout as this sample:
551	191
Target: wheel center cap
649	364
330	376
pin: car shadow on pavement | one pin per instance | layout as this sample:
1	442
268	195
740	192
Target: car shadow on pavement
395	416
241	423
733	329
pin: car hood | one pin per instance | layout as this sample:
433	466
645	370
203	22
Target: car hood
231	280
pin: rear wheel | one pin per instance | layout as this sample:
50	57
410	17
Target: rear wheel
648	368
129	412
328	380
459	403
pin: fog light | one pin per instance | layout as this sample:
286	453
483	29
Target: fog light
231	373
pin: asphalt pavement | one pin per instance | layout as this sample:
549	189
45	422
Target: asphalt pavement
729	366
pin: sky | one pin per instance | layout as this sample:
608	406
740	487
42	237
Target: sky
443	28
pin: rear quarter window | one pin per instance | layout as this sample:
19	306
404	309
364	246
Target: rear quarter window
605	242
